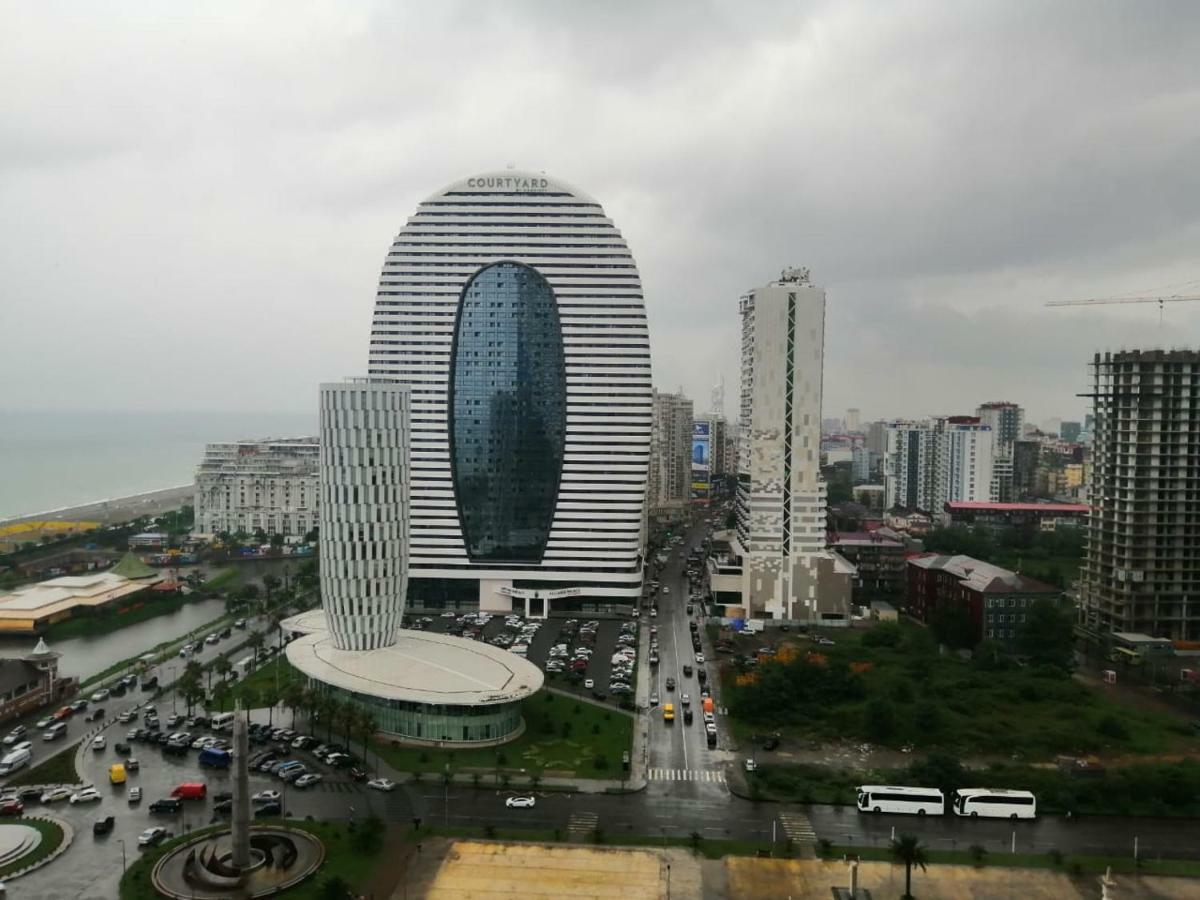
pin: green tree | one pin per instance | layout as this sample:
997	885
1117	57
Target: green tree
880	720
941	770
909	851
884	634
250	697
221	694
223	666
366	726
1047	637
335	887
255	640
952	625
293	697
270	583
990	656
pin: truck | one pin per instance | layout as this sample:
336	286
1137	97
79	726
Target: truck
708	704
215	758
190	790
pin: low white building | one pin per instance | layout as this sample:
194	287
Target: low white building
266	484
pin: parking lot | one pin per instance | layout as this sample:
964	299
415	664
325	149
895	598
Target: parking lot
592	639
91	867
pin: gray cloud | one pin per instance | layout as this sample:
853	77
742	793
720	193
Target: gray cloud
206	196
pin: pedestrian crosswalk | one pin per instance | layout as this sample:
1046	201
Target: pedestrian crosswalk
797	827
687	775
338	787
582	825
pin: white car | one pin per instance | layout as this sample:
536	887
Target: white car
87	795
685	700
15	735
128	716
751	765
307	779
151	836
135	795
520	802
666	590
98	743
55	794
589	683
101	695
265	797
381	784
699	659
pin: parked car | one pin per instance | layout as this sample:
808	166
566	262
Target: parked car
99	743
135	795
87	795
55	794
307	779
101	695
11	806
268	796
268	810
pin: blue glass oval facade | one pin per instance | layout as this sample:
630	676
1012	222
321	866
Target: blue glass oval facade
508	407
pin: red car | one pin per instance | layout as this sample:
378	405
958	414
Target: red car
11	807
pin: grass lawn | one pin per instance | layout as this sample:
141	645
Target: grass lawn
58	769
342	859
224	580
562	737
52	836
261	684
909	694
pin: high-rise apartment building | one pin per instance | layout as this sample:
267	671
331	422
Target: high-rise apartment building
853	421
785	571
1141	570
268	485
1006	421
669	487
930	463
512	308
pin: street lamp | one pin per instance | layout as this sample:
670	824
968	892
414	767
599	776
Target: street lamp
122	843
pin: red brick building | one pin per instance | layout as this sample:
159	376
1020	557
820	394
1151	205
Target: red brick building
996	600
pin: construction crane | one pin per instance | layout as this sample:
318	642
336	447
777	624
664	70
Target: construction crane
1103	301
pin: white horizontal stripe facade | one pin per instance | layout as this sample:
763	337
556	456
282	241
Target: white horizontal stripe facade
363	511
596	535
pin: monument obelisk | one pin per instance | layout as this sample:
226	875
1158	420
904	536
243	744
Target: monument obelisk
240	832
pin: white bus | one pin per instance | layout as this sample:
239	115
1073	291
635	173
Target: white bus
993	804
915	801
222	722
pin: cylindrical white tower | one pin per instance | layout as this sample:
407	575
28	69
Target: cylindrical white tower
364	510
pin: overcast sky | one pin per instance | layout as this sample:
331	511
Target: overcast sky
196	199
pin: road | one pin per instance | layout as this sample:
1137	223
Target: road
680	763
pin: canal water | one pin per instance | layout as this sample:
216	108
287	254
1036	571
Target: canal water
85	656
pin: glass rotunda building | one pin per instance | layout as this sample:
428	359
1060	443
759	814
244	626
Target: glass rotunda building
511	308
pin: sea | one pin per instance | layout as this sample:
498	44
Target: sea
51	460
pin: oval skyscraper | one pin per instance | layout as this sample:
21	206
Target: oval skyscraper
512	308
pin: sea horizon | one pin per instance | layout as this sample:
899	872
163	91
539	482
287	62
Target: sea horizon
55	460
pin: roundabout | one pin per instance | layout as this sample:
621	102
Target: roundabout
202	868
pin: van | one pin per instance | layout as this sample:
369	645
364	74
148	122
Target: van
55	731
708	704
222	722
15	760
190	790
116	773
218	759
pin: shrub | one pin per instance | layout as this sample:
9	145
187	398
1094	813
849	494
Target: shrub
335	887
978	854
601	762
824	848
577	710
1112	727
1055	855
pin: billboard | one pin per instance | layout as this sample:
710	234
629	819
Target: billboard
701	448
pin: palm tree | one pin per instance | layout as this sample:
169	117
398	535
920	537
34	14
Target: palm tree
223	666
221	694
348	716
250	697
293	697
367	726
255	640
331	711
310	703
909	850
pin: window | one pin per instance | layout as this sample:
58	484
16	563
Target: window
508	405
